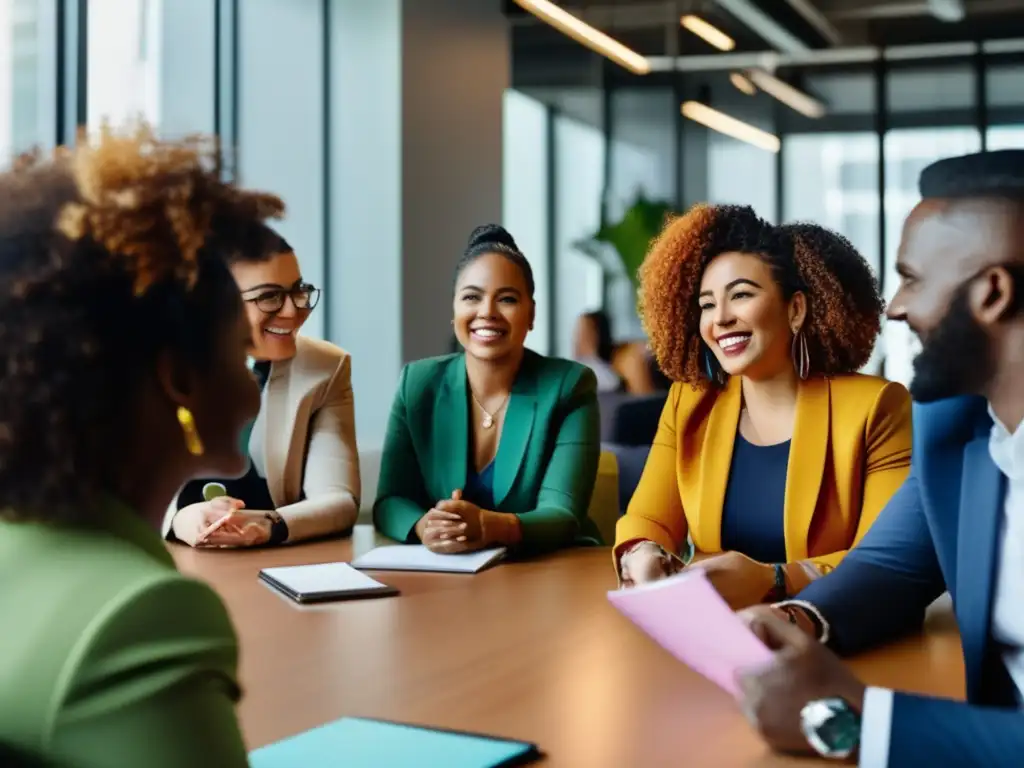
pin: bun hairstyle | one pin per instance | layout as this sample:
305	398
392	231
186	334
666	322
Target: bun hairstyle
493	238
111	254
491	234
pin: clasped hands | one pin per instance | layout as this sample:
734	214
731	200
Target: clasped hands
454	525
222	522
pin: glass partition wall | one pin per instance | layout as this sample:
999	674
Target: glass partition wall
854	169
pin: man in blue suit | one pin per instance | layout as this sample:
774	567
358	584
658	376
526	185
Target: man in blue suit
956	524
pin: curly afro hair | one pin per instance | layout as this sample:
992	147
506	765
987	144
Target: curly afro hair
844	305
111	253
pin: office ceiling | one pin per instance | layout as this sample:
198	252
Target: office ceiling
651	27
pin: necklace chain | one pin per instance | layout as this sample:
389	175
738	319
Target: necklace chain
488	419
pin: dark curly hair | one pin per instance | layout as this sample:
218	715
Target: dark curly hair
493	238
109	255
844	305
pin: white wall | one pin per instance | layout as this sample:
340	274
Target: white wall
366	203
416	164
124	61
281	119
524	209
6	82
579	180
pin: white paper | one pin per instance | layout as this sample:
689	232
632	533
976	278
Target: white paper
416	557
323	578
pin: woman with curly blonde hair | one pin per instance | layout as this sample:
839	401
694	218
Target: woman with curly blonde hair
773	454
123	349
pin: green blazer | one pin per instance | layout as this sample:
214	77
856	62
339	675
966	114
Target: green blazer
547	457
109	658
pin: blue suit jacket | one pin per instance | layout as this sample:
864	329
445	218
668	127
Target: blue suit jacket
939	531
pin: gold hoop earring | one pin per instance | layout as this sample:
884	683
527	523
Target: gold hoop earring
188	427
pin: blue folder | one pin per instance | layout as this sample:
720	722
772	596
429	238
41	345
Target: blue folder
361	743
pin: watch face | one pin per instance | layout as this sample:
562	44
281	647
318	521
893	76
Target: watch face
832	728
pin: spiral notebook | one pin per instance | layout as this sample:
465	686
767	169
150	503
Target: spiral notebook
355	742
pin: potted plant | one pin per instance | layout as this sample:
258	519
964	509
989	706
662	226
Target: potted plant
620	247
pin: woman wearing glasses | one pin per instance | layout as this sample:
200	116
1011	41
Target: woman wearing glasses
303	478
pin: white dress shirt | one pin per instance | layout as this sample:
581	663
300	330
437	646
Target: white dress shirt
1007	450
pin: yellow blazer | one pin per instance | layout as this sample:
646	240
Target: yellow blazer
849	453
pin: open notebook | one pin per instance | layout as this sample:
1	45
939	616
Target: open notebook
324	581
358	743
688	618
416	557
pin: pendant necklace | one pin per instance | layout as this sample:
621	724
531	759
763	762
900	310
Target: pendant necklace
488	420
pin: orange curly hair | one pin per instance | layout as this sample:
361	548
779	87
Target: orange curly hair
844	305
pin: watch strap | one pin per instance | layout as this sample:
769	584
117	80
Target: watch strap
278	529
778	592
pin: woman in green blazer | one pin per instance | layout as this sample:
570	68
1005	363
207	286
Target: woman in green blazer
497	445
124	359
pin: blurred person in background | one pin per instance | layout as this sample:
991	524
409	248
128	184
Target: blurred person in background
593	347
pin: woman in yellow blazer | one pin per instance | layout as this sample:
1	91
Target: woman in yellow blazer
303	478
772	453
126	377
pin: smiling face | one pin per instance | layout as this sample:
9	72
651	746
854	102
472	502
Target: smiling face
744	319
263	285
492	309
955	291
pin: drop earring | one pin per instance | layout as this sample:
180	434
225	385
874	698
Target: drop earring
188	428
801	356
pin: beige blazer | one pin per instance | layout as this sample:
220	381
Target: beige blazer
304	439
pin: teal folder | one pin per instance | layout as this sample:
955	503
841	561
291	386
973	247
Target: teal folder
360	743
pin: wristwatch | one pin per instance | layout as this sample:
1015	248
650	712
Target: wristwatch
278	529
778	592
831	727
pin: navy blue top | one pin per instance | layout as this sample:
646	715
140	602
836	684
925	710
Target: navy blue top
479	488
752	516
251	487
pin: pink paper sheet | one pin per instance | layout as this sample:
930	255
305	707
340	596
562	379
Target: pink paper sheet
688	618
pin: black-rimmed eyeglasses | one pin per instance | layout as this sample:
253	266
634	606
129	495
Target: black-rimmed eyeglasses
271	300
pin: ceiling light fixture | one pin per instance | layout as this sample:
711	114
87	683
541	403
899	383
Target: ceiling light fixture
730	126
792	97
950	11
742	83
709	33
586	35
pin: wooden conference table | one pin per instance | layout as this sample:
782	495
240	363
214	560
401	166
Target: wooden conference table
530	651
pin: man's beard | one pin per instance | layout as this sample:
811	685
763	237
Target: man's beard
955	358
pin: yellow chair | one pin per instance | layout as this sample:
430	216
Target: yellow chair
604	504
